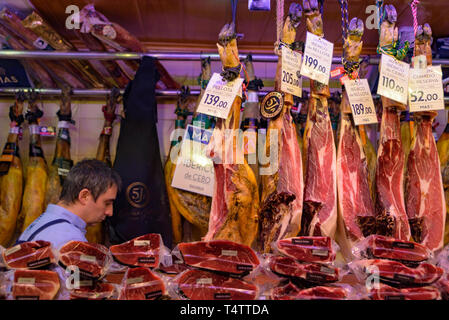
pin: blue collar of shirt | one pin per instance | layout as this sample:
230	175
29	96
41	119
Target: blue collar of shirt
63	213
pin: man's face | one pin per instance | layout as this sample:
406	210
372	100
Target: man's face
98	210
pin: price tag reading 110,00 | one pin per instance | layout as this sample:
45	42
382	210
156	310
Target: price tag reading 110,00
317	60
219	96
426	89
393	79
362	105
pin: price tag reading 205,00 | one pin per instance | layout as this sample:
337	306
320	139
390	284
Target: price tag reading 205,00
393	79
317	60
219	96
362	105
291	66
426	89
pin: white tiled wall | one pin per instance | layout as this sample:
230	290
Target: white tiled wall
86	131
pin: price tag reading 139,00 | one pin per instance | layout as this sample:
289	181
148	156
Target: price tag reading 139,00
362	105
291	66
393	79
317	60
219	96
426	89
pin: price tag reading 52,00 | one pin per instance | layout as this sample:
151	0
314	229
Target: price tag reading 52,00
291	66
219	96
426	89
317	60
393	79
362	105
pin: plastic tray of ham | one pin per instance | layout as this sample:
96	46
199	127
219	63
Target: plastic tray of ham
93	290
381	247
31	284
308	249
205	285
143	251
90	259
304	273
292	292
141	284
218	255
29	255
395	273
385	292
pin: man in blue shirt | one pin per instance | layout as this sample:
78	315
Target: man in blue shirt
87	197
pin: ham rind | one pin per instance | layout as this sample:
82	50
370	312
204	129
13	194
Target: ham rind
92	259
35	285
141	284
143	251
397	274
309	273
204	285
219	255
29	255
93	291
307	249
385	292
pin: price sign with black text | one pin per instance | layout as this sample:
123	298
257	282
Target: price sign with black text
291	66
361	101
393	79
317	59
425	91
219	96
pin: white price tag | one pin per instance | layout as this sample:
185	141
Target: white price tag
393	79
13	250
361	101
194	170
425	91
219	96
291	81
142	243
87	258
317	60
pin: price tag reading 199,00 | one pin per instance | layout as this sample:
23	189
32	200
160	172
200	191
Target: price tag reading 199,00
219	96
393	79
362	105
426	89
291	66
317	60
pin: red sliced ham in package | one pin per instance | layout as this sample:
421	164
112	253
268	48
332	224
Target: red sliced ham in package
30	284
94	290
218	255
29	255
141	284
381	247
385	292
206	285
292	292
308	249
395	273
144	251
91	259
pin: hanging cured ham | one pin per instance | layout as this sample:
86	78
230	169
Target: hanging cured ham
391	218
320	190
426	208
443	152
11	175
235	204
282	189
356	217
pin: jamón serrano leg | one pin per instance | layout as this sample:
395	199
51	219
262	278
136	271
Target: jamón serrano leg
11	175
443	152
282	189
320	190
424	192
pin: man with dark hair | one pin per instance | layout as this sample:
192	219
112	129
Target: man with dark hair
87	197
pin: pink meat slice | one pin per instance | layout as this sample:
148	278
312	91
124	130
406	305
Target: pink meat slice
142	251
307	249
35	285
141	284
322	293
425	202
93	291
390	205
286	292
29	255
382	247
386	292
219	255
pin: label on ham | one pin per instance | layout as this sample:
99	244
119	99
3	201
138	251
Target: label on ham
327	270
12	250
146	259
222	296
291	68
151	295
403	245
320	252
307	242
38	263
317	60
204	281
26	281
109	32
231	253
87	258
86	283
134	280
219	96
361	101
393	79
404	278
426	89
244	267
142	243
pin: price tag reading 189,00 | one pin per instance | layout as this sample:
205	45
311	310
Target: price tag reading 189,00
426	89
393	79
291	66
317	60
219	96
362	105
